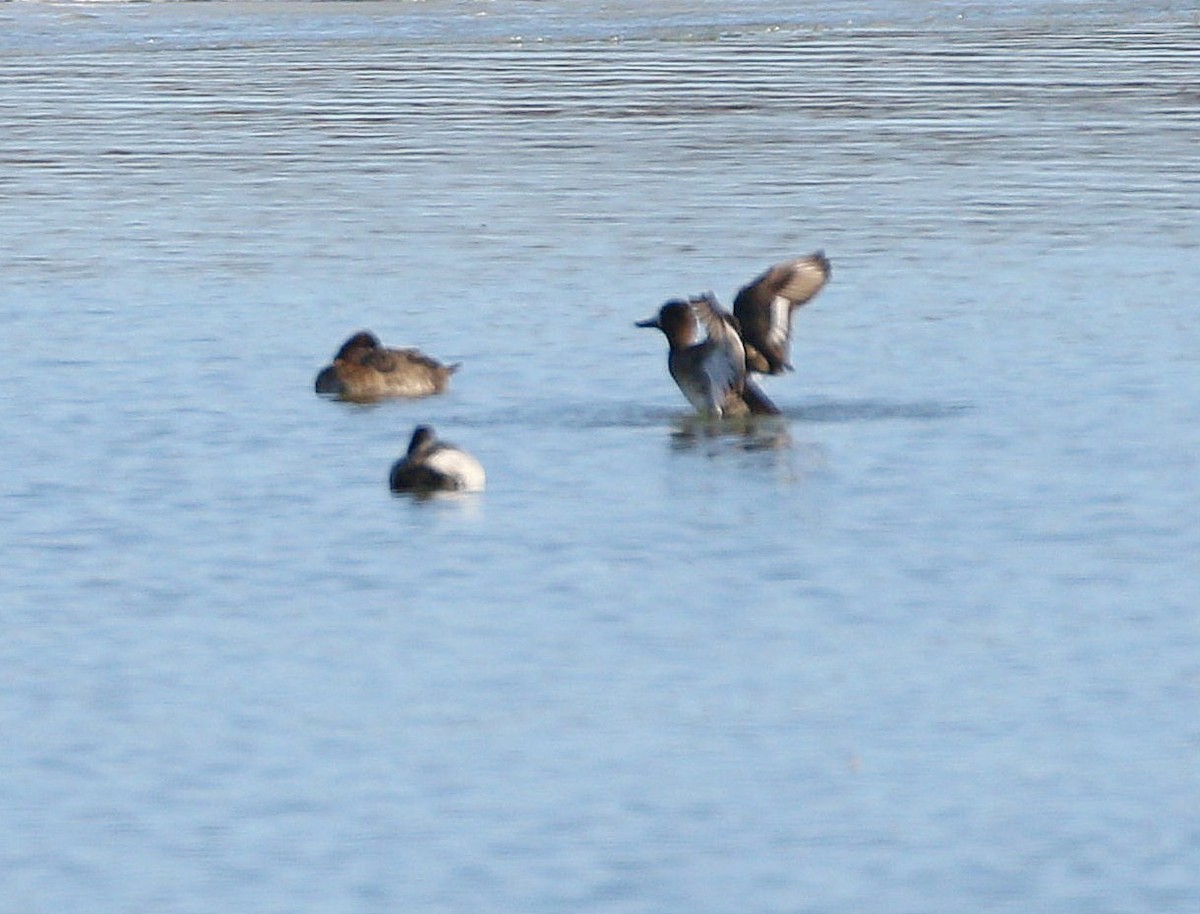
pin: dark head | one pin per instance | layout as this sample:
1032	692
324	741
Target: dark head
328	381
676	320
362	340
423	440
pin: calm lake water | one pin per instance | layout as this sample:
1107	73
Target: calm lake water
929	643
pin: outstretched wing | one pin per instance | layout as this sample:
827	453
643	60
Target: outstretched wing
724	361
764	309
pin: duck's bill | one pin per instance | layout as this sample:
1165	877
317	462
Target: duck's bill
648	322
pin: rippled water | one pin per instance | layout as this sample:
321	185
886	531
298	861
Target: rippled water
929	643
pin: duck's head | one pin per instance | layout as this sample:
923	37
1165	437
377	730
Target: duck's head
328	381
361	341
422	441
676	320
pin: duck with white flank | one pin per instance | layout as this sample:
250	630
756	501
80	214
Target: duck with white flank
435	466
364	369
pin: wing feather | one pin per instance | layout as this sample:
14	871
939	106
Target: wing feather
800	279
724	362
781	322
388	360
765	307
722	330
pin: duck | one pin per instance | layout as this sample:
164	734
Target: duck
764	309
711	372
431	465
364	369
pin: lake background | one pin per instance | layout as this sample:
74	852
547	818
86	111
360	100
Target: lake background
929	644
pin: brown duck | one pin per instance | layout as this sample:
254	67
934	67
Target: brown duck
364	369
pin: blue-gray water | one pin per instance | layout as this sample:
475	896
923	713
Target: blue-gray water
937	649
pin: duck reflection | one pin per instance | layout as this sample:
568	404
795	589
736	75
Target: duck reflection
747	433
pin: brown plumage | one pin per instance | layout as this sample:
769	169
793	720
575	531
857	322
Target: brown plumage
764	309
363	369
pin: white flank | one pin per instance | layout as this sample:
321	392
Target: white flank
460	466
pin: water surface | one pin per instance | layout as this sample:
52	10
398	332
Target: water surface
928	643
